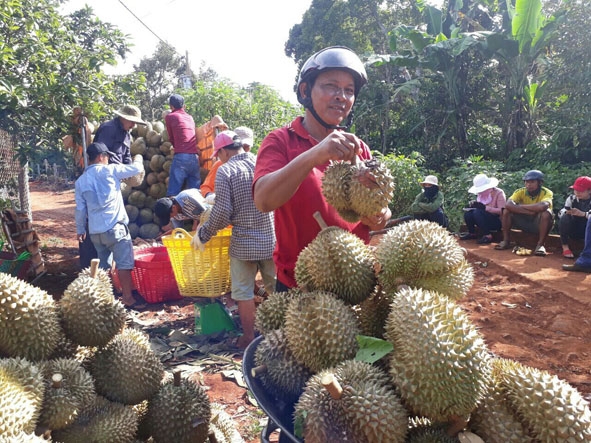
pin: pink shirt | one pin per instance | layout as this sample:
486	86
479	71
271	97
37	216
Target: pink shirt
295	225
181	132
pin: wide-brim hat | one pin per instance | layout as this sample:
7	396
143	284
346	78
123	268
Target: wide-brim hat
430	180
131	113
482	182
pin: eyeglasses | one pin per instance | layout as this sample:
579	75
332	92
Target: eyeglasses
334	90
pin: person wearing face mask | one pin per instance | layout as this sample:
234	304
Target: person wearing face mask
292	160
428	204
485	211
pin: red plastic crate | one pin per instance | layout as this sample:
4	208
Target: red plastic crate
152	276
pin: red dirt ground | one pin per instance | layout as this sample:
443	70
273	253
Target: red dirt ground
526	307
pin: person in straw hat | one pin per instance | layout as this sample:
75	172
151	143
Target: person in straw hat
428	204
485	211
116	133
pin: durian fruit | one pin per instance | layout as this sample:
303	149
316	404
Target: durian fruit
320	330
102	421
222	426
440	362
352	402
454	284
552	409
373	312
339	262
127	370
90	314
29	318
494	417
371	188
179	412
99	273
21	396
421	251
68	389
280	373
23	437
270	314
423	431
335	185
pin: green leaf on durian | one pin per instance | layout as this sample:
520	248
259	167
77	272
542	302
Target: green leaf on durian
371	349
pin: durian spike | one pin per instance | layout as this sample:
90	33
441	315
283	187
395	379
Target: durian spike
258	370
456	424
332	385
57	380
320	220
94	263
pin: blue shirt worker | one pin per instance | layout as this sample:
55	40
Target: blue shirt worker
116	133
253	234
99	204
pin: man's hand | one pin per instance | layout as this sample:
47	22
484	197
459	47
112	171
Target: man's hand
81	237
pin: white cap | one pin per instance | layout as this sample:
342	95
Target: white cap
245	134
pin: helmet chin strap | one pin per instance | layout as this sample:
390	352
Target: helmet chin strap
345	127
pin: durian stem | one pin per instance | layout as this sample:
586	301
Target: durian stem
94	263
57	380
176	375
332	385
320	220
258	370
455	425
212	438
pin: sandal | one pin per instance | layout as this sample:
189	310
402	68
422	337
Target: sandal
567	253
540	251
503	245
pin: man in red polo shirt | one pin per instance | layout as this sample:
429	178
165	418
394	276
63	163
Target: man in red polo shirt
291	160
181	133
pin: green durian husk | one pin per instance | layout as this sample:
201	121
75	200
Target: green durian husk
270	314
222	426
335	185
368	201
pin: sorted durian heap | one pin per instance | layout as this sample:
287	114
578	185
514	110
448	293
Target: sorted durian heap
91	316
21	397
179	412
68	389
321	330
270	314
339	262
29	318
352	402
280	373
358	190
127	370
550	408
101	421
440	362
422	254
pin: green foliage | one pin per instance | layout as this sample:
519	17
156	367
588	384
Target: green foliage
406	174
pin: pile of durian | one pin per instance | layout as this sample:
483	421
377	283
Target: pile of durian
372	347
73	371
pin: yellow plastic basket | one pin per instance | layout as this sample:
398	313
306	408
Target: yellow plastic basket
200	273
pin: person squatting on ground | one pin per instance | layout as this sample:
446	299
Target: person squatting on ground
100	204
428	204
115	134
529	209
573	217
253	236
174	211
208	186
485	211
292	160
181	133
583	262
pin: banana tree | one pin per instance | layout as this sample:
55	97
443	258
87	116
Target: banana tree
520	55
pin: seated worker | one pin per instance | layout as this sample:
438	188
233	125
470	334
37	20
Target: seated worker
485	211
583	263
529	209
573	217
428	205
172	212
